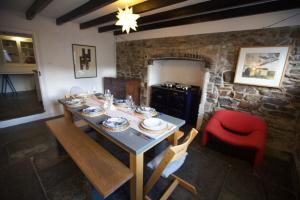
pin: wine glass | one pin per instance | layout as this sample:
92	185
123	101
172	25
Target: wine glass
107	92
76	91
94	89
130	102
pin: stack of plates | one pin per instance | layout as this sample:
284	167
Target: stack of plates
116	124
74	102
154	124
92	111
120	102
146	110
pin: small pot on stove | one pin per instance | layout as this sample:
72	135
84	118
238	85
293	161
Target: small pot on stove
168	84
183	87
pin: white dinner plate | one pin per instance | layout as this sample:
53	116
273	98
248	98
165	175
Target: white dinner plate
92	110
115	122
154	124
74	102
144	110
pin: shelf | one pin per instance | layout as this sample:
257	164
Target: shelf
10	47
20	53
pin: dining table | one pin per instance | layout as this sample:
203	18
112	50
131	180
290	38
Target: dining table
133	140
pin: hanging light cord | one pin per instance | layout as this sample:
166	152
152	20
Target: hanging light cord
298	13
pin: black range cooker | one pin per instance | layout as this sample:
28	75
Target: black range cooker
178	100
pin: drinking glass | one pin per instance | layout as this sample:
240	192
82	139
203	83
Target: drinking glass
130	103
94	89
107	92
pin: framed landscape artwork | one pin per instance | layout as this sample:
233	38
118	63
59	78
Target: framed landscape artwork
261	66
84	58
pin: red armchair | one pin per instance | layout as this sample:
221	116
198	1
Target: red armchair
239	129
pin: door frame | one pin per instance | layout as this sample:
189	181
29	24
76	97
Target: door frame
42	82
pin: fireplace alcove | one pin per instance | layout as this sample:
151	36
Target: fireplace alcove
204	64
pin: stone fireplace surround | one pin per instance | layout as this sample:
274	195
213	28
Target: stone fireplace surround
279	107
167	55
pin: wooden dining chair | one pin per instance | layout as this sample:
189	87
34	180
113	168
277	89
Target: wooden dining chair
75	90
166	163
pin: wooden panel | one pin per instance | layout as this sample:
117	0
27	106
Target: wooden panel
36	7
102	169
138	8
107	82
133	89
84	9
121	87
270	6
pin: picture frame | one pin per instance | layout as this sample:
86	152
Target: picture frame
261	66
84	60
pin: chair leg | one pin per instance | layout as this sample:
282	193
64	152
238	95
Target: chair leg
185	184
258	157
204	138
170	189
147	198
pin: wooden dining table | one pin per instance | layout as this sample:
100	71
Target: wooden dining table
131	140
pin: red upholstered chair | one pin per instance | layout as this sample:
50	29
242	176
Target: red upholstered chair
239	129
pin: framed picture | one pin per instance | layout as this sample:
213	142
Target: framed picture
261	66
84	59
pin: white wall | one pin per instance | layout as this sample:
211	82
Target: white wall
54	56
180	71
22	82
234	24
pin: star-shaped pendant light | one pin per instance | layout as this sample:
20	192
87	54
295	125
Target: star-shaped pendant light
127	19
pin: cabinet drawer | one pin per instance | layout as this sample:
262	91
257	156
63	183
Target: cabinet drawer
159	97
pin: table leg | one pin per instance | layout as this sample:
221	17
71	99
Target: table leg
2	86
136	183
173	139
67	114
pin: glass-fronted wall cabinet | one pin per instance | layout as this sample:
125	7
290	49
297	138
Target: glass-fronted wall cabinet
17	54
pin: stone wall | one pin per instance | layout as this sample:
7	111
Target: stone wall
279	107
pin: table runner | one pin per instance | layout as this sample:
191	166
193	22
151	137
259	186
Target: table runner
134	118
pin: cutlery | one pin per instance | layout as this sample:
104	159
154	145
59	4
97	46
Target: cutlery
143	136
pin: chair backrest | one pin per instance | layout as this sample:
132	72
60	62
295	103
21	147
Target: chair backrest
76	91
173	153
239	122
179	150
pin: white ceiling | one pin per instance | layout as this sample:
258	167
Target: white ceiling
59	7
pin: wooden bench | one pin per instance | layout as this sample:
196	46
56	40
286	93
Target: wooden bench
104	171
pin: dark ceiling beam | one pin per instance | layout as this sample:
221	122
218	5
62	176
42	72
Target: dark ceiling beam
84	9
271	6
194	9
36	7
137	9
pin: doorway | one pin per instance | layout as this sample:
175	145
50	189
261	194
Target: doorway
20	87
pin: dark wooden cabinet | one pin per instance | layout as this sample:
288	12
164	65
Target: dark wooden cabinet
121	87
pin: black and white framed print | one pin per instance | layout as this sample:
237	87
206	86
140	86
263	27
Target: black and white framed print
261	66
84	58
